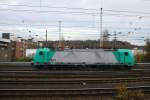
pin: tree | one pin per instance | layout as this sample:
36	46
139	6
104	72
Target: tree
139	58
105	39
124	94
147	50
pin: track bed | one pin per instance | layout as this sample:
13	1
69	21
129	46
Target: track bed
83	67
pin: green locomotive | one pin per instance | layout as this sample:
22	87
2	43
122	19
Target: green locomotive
83	59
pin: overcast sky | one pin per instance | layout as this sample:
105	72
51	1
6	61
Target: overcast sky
77	24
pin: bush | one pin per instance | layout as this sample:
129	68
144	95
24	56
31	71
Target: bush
124	94
139	58
24	59
147	49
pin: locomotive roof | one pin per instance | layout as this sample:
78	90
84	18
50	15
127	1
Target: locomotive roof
84	50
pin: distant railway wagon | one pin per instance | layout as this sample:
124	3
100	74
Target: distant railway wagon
83	59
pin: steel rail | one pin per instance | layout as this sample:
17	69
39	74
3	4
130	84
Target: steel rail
83	91
137	79
71	74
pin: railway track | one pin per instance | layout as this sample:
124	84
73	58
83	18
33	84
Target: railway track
68	80
93	80
26	66
16	80
69	92
73	83
5	75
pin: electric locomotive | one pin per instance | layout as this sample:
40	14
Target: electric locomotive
83	59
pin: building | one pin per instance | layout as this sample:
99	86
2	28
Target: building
19	52
12	50
30	52
20	48
136	51
6	50
6	35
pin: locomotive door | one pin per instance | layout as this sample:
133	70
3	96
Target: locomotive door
125	57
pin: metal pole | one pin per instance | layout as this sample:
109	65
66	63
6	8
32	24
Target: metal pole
60	34
40	3
101	28
46	39
115	41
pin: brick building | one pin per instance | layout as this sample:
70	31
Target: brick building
12	50
20	48
19	52
6	50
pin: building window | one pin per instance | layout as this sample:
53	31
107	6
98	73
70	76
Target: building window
2	48
6	55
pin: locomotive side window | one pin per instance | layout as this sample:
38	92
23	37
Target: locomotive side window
126	53
40	53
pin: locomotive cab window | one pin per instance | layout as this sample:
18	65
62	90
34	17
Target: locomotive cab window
40	53
126	53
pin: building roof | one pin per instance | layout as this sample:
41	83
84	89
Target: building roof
4	40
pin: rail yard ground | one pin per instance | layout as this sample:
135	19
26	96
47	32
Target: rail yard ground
21	81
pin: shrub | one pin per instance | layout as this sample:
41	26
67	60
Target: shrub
25	59
139	58
124	94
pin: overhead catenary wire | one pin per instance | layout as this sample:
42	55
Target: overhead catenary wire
48	11
44	6
73	13
107	13
75	27
64	12
133	12
125	15
82	13
73	8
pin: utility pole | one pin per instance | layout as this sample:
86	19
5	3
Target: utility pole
115	39
101	28
40	3
61	45
46	39
59	31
